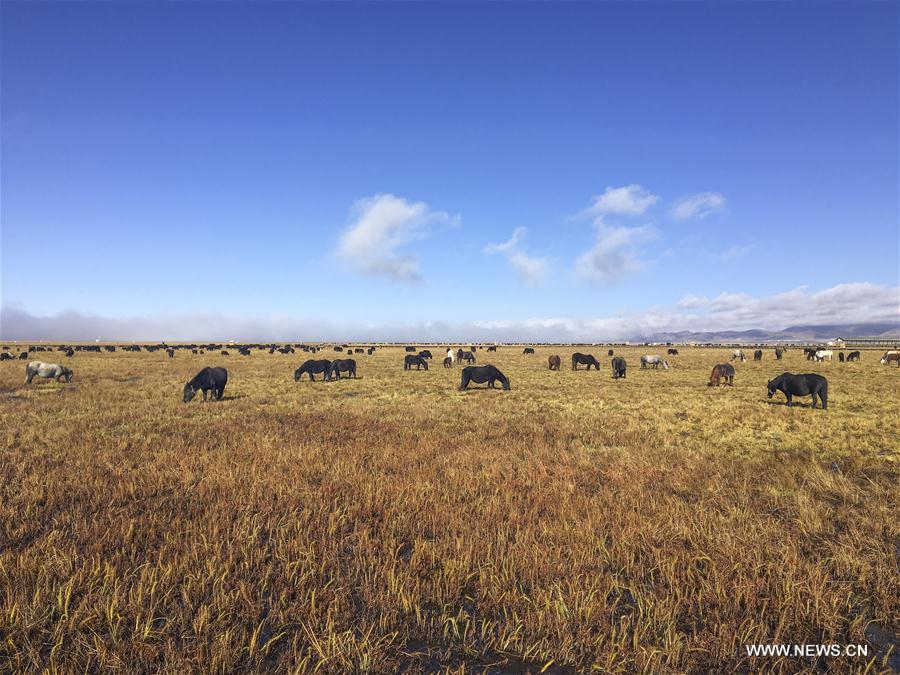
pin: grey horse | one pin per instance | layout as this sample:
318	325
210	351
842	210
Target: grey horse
47	370
654	360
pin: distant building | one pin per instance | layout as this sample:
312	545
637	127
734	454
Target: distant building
868	342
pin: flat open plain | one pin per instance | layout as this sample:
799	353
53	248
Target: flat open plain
391	523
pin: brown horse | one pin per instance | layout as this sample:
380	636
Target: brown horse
554	362
722	371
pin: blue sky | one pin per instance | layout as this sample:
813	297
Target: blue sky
681	164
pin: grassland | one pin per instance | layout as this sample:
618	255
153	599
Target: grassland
391	523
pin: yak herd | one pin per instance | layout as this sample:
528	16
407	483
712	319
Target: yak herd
212	381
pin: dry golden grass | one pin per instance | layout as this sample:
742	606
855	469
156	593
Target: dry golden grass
392	523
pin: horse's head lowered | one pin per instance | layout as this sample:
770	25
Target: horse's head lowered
189	393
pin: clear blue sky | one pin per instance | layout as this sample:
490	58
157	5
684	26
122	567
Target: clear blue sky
174	158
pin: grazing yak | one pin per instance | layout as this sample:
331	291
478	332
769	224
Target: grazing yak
528	350
722	371
738	354
618	367
808	384
207	380
554	362
468	357
584	359
448	362
853	356
482	374
672	351
654	360
313	367
757	355
47	371
411	360
339	366
888	357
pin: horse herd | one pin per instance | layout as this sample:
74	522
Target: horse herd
213	380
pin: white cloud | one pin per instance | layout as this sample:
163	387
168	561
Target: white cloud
629	200
531	270
698	206
382	224
842	304
614	254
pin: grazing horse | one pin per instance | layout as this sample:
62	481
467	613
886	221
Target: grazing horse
468	357
338	349
482	374
672	351
587	359
609	353
448	362
370	351
841	357
779	352
888	357
411	360
47	371
171	353
618	367
207	380
757	355
810	353
528	350
339	366
492	349
722	371
554	362
224	352
853	356
313	367
23	356
6	357
823	354
425	354
410	349
738	354
654	360
808	384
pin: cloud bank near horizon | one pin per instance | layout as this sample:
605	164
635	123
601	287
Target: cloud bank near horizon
841	304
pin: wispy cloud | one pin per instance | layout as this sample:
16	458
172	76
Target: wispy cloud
531	270
733	253
381	225
844	303
615	253
698	206
629	200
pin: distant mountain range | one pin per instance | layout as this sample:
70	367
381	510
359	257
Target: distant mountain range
887	331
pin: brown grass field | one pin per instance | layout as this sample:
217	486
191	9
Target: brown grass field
393	524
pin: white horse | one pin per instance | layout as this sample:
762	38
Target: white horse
451	355
738	354
891	355
654	360
46	370
824	354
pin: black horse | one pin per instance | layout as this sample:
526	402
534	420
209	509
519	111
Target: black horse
339	366
411	360
810	352
808	384
528	350
584	359
609	353
492	349
779	352
425	354
410	349
448	362
618	367
482	374
841	357
672	352
853	356
757	355
468	357
208	379
313	367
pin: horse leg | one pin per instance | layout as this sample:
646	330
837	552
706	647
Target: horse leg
789	399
